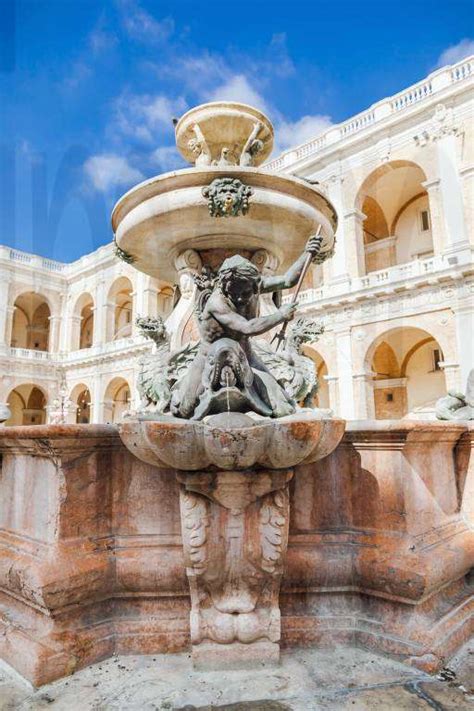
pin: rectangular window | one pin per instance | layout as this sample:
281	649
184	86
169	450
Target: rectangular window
425	220
389	397
437	356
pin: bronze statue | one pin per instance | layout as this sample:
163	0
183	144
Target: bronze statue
223	371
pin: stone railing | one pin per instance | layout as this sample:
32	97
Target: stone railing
434	83
32	260
84	354
104	349
411	271
30	354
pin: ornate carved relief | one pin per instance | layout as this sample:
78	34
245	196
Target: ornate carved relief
235	535
442	124
227	197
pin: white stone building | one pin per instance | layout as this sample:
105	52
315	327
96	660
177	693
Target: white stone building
397	298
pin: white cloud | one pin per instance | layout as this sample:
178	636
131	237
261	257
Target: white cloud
142	116
167	158
197	73
142	26
456	52
238	88
290	134
108	170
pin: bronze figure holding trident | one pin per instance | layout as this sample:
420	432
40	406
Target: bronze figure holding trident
226	372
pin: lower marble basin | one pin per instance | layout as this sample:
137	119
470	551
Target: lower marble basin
232	441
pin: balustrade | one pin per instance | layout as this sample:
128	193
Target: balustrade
378	112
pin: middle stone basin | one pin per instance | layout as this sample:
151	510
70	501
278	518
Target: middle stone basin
231	441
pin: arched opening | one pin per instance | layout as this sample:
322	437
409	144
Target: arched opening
166	296
121	302
83	331
397	224
408	374
81	397
117	400
321	398
31	322
27	403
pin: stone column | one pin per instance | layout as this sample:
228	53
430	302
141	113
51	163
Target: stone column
451	192
354	241
464	325
150	299
333	388
432	187
139	306
100	315
444	131
188	264
74	332
54	333
344	369
4	309
235	535
364	396
97	404
467	176
338	266
452	376
10	310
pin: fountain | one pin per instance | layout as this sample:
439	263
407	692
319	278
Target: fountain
222	408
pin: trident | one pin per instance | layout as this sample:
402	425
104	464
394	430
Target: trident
280	336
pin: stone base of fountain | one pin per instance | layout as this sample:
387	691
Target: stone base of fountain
91	553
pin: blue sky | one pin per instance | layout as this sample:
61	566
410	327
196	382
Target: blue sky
88	89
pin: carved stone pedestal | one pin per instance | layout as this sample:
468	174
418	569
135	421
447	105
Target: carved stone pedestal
233	474
235	534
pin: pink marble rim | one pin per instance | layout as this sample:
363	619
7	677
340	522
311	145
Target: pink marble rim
191	446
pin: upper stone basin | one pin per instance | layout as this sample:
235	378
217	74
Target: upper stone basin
170	443
162	217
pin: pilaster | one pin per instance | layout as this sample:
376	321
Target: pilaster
347	405
354	242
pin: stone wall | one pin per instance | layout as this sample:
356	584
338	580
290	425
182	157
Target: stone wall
91	563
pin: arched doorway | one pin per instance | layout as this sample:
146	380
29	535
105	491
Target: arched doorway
31	322
117	400
121	303
83	330
397	224
408	374
27	403
322	396
81	397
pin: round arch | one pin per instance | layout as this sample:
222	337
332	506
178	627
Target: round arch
31	321
83	322
120	300
27	403
81	397
407	374
117	399
322	398
397	223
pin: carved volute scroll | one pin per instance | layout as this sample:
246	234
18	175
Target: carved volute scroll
235	535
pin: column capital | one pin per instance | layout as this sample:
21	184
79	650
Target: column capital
189	260
432	184
357	214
